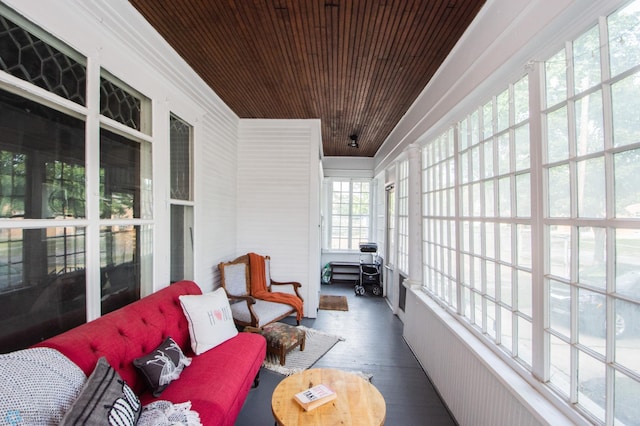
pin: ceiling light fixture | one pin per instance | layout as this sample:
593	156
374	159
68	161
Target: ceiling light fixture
354	141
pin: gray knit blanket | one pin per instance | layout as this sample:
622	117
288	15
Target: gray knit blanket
165	413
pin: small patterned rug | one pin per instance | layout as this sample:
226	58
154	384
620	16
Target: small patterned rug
317	343
333	303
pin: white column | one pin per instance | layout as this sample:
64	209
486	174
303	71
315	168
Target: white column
415	215
92	159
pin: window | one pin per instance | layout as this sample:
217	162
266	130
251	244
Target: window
391	226
55	68
439	212
481	259
591	163
46	223
42	268
350	214
181	200
494	211
125	197
494	285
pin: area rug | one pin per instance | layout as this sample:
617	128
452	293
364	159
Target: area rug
317	343
333	303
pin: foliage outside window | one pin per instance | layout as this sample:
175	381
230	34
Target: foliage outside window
350	214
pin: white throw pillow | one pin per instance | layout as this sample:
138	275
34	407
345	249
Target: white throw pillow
210	319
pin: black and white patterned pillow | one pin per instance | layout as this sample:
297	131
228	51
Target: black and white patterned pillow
105	399
162	366
37	386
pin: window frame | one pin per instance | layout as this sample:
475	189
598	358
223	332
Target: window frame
181	212
350	216
402	244
537	370
89	245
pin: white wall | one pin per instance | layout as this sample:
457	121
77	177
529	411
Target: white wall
349	167
477	386
278	210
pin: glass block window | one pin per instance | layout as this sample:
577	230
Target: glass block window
28	57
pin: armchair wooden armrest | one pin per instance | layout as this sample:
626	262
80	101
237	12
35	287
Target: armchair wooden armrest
294	283
250	301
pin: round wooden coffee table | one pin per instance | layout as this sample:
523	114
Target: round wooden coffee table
358	402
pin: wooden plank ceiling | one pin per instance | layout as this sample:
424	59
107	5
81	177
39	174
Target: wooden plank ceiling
358	65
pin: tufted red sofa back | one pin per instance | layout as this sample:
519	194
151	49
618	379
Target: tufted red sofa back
128	333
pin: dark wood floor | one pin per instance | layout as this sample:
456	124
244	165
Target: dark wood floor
373	343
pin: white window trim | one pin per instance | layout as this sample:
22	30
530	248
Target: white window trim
329	208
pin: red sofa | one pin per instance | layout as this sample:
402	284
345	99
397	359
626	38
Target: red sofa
217	382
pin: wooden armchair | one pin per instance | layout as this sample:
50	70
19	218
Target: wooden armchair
247	310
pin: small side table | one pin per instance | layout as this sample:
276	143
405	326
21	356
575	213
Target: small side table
281	338
358	402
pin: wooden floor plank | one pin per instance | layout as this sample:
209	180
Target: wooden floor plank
374	344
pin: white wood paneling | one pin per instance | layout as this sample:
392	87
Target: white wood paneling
216	218
380	214
278	210
478	387
351	167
